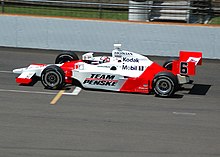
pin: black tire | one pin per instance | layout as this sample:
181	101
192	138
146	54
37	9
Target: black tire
66	57
53	77
165	84
168	64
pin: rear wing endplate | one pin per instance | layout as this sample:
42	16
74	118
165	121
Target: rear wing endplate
186	65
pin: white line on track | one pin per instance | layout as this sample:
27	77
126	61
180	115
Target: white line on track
184	113
76	91
23	91
9	72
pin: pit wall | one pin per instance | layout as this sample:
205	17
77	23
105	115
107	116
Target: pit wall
99	36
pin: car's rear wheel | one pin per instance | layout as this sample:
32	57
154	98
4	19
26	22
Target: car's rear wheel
165	84
168	64
66	57
53	77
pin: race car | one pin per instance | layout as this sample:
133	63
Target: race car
123	71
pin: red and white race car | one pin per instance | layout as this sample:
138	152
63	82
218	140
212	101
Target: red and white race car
124	71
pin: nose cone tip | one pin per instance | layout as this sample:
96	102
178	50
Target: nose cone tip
17	71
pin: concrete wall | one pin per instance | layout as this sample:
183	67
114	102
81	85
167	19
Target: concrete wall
85	35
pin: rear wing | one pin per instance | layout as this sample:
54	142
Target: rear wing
186	65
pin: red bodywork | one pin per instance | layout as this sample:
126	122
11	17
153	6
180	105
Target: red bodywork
143	83
67	68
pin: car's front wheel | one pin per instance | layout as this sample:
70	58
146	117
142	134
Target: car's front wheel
165	84
53	77
66	57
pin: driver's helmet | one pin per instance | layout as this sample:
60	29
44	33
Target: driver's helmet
105	59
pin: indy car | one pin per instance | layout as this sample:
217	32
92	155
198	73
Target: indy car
123	71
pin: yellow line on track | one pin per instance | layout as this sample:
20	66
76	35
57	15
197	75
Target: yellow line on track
57	97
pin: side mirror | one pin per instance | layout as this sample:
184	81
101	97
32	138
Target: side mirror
113	68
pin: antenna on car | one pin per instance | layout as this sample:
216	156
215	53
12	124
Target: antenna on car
117	46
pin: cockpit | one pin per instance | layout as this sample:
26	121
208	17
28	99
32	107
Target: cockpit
90	59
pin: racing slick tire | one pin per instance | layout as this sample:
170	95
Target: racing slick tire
53	77
168	64
165	84
66	57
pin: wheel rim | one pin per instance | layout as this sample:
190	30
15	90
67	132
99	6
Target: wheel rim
52	79
164	86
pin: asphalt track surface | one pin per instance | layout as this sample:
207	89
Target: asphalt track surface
106	124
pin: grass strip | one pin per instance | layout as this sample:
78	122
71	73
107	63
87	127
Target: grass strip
67	12
215	21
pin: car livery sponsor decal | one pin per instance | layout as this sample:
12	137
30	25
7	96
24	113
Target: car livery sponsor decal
122	53
101	80
194	59
128	67
134	60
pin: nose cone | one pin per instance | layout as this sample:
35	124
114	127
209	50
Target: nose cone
18	71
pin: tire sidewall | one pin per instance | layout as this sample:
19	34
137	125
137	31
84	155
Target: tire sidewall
66	57
56	73
166	80
168	65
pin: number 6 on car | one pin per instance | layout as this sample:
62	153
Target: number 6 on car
123	71
184	68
